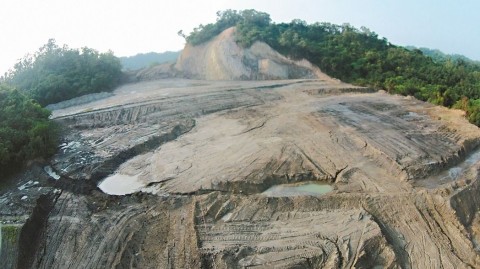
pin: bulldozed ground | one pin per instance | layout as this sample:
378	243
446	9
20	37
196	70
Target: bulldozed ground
187	162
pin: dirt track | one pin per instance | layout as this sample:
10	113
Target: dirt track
209	149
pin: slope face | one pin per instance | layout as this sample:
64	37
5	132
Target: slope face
222	59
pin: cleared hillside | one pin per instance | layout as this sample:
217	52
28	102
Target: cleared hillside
223	59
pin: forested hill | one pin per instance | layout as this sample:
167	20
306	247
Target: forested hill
357	56
56	73
439	56
143	60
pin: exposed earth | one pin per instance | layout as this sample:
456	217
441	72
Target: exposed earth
177	173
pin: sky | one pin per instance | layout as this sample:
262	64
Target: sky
129	27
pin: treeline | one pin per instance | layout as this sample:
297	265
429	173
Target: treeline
358	56
55	73
50	75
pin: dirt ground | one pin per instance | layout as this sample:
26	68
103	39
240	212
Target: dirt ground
200	154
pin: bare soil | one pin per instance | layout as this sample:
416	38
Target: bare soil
204	151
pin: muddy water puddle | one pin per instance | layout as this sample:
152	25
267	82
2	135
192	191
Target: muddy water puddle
120	184
49	170
298	189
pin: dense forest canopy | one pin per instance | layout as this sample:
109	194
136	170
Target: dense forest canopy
54	73
26	132
358	56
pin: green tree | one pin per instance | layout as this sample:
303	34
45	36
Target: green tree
26	133
54	73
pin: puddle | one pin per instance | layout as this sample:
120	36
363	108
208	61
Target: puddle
119	184
27	185
70	146
227	217
298	189
51	173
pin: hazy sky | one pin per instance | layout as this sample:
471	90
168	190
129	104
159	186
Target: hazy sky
128	27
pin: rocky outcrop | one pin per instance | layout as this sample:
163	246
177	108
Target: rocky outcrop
222	59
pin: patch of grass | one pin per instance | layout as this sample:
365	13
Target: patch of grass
10	233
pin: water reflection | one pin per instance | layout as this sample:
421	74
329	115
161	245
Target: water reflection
298	189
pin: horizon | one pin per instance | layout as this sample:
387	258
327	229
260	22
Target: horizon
129	28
